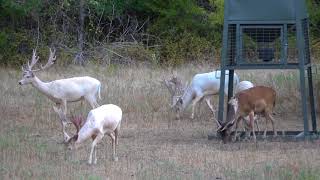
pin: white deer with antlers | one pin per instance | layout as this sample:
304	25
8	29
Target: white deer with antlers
63	90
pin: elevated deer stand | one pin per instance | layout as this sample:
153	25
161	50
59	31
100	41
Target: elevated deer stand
271	34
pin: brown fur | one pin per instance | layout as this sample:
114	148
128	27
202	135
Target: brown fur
256	100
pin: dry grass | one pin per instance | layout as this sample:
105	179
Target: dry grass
152	144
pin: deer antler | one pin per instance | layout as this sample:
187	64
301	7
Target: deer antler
34	61
169	86
51	61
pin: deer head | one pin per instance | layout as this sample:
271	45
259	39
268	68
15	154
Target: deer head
78	122
224	128
176	88
28	69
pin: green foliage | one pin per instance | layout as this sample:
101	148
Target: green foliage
19	9
14	47
185	47
314	15
185	30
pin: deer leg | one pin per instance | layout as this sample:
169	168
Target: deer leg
199	106
210	106
92	101
194	102
64	121
251	116
116	133
236	128
256	121
265	129
272	122
246	128
94	143
113	139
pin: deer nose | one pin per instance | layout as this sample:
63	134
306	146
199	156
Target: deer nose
20	83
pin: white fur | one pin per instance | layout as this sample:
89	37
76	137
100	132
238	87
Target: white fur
203	86
65	90
243	85
102	120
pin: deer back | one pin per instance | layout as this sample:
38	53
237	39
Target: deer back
257	99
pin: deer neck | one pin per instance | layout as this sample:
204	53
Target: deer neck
42	86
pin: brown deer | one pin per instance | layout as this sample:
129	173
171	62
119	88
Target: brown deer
256	100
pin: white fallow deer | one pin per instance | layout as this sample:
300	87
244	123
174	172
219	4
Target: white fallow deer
63	90
203	85
256	100
102	120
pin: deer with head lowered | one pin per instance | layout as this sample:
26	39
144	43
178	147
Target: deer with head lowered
61	91
101	121
202	86
256	100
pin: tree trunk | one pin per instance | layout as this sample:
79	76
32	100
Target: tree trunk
79	59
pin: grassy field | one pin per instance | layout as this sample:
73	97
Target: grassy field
152	144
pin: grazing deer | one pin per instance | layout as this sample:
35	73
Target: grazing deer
243	85
202	86
256	100
63	90
102	120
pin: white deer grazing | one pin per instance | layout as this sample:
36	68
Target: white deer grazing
102	120
63	90
256	100
202	86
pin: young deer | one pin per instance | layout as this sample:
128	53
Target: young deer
63	90
105	119
256	100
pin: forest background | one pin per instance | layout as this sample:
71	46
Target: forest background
167	32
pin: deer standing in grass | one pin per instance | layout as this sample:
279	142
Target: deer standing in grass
102	120
61	91
202	86
256	100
